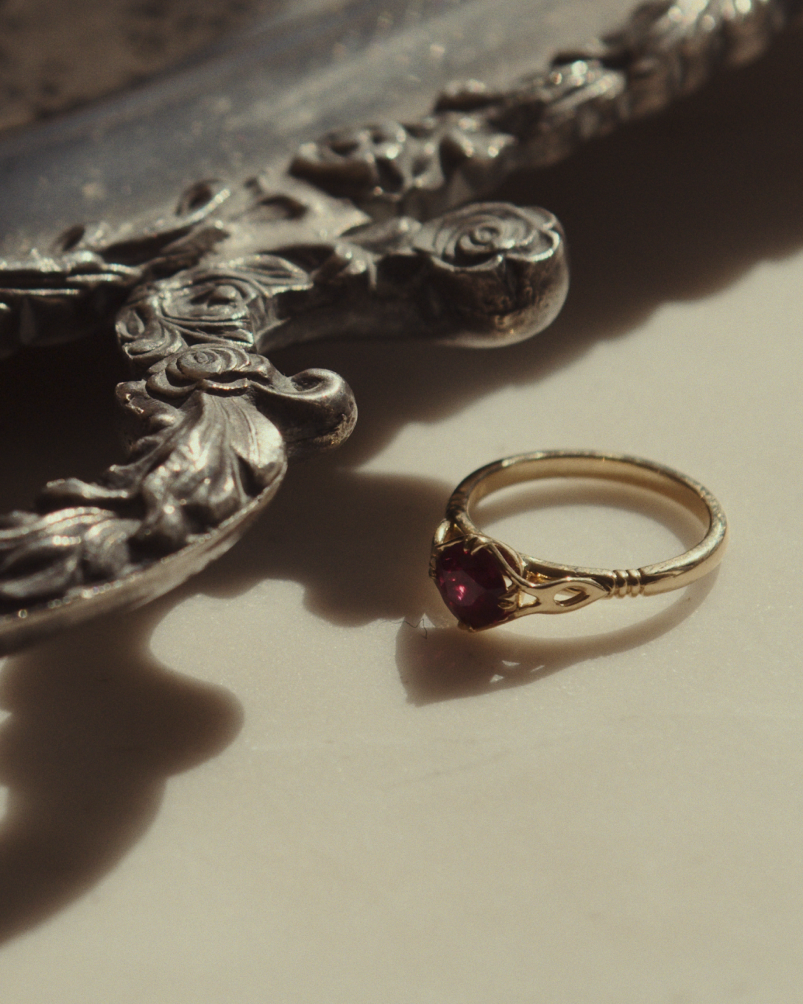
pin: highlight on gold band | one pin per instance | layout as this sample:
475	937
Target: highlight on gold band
485	583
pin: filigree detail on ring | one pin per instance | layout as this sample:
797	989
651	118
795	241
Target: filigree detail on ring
362	239
485	583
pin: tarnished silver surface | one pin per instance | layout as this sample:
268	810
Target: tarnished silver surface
60	53
370	233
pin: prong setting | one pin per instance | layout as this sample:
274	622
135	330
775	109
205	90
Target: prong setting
486	583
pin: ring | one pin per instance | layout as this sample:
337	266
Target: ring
485	582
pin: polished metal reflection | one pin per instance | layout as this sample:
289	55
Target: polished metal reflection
521	584
371	232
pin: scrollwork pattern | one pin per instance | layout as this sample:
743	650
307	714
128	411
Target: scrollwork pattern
475	136
211	424
199	294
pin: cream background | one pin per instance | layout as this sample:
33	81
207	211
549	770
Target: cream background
293	782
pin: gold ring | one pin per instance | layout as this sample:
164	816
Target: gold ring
485	582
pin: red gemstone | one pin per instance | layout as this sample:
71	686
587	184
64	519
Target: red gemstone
471	585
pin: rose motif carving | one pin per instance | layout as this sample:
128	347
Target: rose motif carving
385	161
355	162
218	369
391	163
213	301
498	268
481	236
235	304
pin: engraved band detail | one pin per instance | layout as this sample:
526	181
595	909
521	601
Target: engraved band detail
485	582
373	231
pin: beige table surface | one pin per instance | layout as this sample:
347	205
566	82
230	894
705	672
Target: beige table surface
293	782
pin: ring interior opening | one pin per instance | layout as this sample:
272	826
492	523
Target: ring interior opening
630	577
586	522
605	469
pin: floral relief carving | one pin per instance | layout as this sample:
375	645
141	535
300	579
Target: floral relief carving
222	369
211	425
373	234
475	136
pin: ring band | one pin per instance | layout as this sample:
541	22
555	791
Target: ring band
485	582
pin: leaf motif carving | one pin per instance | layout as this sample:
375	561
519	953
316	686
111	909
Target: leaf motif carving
204	466
210	429
200	292
43	556
197	465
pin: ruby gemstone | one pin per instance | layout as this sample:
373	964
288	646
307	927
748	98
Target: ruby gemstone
471	585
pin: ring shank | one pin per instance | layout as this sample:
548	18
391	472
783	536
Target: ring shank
664	576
